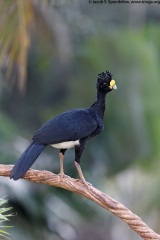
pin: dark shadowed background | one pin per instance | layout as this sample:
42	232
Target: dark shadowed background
50	55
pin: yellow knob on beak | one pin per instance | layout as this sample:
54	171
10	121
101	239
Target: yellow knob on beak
112	84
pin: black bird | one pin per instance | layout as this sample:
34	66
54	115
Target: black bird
72	128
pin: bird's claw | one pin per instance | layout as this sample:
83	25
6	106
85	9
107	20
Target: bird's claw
84	182
62	175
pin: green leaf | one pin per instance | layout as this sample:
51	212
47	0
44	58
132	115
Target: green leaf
4	216
4	232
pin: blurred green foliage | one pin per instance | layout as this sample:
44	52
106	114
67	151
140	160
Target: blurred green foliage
4	217
124	160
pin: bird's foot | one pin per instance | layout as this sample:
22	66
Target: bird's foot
61	174
83	181
89	184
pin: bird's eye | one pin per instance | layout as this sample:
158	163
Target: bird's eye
105	84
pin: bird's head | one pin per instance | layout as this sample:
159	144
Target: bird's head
105	83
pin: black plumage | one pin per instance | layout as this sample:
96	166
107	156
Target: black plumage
68	126
72	128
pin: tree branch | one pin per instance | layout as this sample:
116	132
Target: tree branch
74	185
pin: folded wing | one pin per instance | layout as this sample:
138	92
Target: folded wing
69	126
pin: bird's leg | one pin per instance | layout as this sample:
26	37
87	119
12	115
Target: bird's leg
78	152
61	157
80	172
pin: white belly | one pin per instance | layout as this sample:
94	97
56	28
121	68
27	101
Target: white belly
66	145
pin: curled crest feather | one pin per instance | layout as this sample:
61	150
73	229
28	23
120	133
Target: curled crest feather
104	75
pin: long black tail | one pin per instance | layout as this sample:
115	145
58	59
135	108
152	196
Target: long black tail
26	160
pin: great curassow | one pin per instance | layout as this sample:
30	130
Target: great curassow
72	128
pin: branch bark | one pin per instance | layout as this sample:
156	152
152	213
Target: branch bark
95	195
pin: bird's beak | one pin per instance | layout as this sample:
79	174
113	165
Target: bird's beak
112	84
115	87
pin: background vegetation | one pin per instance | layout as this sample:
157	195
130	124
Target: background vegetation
50	55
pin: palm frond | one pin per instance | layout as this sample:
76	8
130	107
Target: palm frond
16	17
15	20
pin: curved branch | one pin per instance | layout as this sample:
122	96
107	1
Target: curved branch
74	185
